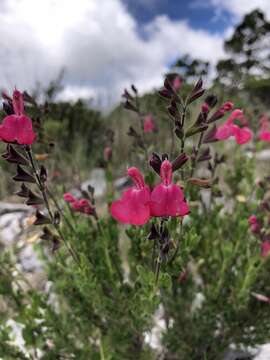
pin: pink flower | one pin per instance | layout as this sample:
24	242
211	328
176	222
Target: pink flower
242	134
252	219
227	106
133	207
177	83
264	134
265	248
148	124
205	108
17	127
167	199
68	197
83	205
254	224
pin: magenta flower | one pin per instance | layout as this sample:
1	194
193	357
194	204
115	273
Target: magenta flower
265	248
167	199
264	134
252	219
205	108
177	83
133	207
254	224
148	124
17	127
242	134
68	197
83	205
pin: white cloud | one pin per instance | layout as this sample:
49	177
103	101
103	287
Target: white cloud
98	43
242	7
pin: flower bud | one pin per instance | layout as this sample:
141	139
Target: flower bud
155	162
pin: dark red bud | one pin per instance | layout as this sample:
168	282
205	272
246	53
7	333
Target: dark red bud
155	162
179	161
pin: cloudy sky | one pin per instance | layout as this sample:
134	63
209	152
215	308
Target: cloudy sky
104	45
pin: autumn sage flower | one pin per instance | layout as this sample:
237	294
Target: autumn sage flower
265	248
167	199
264	134
137	205
80	205
17	128
133	207
148	124
177	83
254	224
242	135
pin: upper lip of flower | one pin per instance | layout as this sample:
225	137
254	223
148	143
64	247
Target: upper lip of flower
137	178
166	172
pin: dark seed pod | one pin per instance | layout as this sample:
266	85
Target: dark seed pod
43	174
23	176
165	93
168	85
127	95
197	86
8	108
34	199
28	98
134	89
41	219
24	192
129	106
13	156
195	96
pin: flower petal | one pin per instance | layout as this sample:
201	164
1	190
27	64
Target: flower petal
168	201
133	208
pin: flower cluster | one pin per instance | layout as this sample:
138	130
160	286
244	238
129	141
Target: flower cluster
242	134
83	206
138	204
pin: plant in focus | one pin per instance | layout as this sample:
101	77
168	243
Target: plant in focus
186	245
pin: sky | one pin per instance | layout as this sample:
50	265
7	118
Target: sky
105	45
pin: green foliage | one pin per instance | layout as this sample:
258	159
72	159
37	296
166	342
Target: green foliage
101	303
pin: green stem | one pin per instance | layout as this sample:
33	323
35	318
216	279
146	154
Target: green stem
46	201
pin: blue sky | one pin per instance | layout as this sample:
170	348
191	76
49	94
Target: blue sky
105	45
200	14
